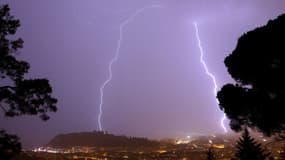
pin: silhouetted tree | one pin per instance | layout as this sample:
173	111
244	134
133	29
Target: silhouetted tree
282	155
18	96
210	154
257	65
249	149
9	145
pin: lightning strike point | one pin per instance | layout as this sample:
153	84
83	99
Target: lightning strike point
202	61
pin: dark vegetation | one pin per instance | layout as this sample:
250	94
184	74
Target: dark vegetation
18	96
249	149
211	154
99	139
257	98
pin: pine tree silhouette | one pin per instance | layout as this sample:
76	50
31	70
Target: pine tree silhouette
249	149
210	154
282	155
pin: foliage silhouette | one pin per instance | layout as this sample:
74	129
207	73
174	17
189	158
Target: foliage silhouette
9	145
210	154
249	149
257	65
282	155
99	139
18	96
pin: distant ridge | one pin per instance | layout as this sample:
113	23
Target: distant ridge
99	139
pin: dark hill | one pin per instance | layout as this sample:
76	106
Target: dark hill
99	139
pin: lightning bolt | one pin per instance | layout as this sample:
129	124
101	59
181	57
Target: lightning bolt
208	72
116	56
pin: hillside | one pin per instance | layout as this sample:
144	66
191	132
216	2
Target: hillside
99	139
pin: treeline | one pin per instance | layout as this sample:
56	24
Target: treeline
99	139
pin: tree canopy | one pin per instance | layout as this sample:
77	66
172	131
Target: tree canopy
18	96
257	98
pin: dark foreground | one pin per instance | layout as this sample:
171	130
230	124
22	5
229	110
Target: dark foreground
190	151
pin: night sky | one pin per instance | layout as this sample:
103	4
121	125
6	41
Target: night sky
159	87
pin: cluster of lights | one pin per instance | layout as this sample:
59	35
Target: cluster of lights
46	149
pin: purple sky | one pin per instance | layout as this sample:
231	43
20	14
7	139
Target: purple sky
159	88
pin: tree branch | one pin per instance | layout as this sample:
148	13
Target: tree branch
3	108
7	87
